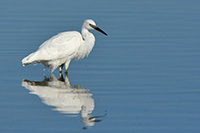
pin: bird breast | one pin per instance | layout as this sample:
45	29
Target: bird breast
86	46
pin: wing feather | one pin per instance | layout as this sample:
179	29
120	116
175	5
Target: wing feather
63	45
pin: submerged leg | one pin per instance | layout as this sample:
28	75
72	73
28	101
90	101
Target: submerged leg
66	67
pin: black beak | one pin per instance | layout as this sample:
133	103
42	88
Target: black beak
98	29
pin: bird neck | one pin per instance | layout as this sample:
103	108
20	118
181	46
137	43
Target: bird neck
87	44
87	36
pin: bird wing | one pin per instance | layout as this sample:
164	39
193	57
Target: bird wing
63	45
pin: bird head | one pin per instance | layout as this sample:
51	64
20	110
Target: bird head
90	24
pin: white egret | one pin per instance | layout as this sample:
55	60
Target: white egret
60	49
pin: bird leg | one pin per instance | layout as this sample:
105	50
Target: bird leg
61	67
66	67
61	78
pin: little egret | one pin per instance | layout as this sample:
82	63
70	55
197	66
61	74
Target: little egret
60	49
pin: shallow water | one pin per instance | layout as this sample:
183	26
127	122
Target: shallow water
143	77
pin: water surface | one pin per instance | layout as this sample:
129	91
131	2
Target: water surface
143	77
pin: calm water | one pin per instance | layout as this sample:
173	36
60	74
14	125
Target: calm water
143	77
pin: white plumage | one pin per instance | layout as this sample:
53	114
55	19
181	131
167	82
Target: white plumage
65	46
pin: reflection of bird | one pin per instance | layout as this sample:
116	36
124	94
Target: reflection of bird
65	46
64	97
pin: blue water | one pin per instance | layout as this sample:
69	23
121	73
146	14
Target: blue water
143	77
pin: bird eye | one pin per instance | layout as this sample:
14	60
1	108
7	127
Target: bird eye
91	25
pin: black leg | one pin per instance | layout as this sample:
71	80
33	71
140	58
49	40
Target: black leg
61	67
